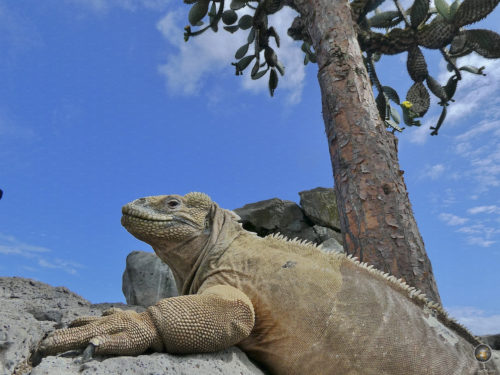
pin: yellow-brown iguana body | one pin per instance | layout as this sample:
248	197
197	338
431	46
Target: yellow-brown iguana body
289	306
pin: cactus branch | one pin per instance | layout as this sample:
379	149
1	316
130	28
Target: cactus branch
450	61
402	13
214	22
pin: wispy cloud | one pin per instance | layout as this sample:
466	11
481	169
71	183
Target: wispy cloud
479	322
474	93
12	130
480	149
419	135
485	126
433	172
207	56
492	209
452	220
479	241
67	266
103	6
480	234
11	246
18	35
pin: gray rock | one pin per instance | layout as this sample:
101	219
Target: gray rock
286	217
492	340
325	233
147	279
320	206
230	361
307	233
332	245
495	358
30	309
275	215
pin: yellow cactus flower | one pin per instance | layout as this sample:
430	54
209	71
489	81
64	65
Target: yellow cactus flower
407	104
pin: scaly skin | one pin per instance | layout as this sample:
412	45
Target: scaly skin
289	306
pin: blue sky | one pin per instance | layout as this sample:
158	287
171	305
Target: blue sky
102	102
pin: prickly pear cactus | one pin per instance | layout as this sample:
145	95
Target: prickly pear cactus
406	30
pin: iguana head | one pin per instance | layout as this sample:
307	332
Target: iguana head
167	219
183	231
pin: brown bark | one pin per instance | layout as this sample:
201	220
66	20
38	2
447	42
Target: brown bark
375	213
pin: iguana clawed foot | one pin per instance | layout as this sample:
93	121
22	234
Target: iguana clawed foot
116	332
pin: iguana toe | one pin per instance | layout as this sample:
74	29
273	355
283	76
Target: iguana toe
116	332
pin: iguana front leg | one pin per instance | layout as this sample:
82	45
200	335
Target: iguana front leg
217	318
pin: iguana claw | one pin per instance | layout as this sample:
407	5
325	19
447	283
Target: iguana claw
88	353
36	358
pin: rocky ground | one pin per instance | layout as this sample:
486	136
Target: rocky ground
29	309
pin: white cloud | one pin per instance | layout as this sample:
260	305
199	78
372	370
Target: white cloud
103	6
476	229
480	234
433	172
474	93
479	241
66	266
420	134
9	245
210	54
476	130
492	209
450	219
479	147
476	320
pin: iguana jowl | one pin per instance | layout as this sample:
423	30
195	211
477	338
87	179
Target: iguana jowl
291	307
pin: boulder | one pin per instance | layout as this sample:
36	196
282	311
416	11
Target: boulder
492	340
332	245
325	234
276	215
320	206
317	221
147	279
30	309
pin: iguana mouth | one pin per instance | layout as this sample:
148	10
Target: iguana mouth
130	212
136	215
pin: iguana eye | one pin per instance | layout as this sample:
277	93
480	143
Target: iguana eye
173	203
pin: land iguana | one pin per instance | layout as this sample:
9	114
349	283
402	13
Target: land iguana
291	307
